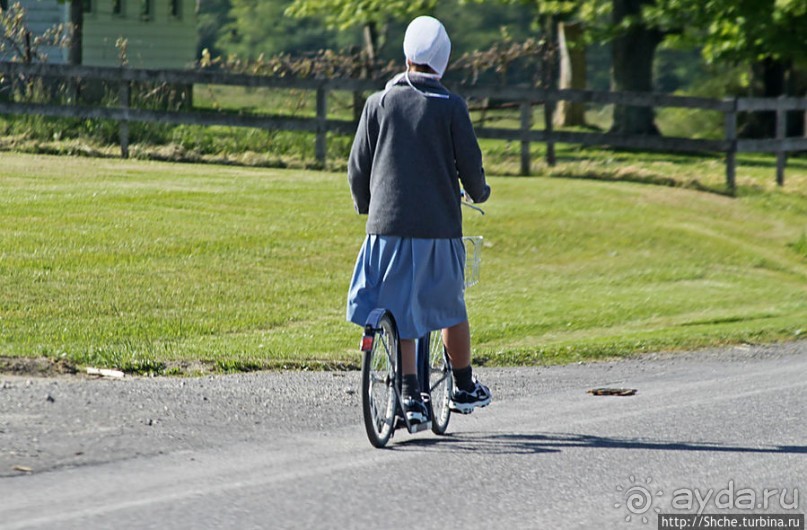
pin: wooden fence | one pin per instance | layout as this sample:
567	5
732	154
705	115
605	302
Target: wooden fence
320	124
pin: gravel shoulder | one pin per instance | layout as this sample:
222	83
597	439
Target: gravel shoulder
63	420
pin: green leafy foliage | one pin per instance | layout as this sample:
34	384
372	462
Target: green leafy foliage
262	28
730	30
344	14
213	15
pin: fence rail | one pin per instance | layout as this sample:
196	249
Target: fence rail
525	98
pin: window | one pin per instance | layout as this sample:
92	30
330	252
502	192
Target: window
87	7
117	7
145	9
175	8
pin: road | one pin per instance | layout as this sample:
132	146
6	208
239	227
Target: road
720	428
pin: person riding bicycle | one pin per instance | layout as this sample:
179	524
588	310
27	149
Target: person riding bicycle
415	143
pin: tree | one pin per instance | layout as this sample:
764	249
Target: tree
736	30
257	27
75	54
211	17
371	15
633	41
478	28
766	36
633	51
572	73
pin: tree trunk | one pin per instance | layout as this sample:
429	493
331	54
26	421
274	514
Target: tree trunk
633	54
77	26
768	78
5	86
572	73
370	41
796	86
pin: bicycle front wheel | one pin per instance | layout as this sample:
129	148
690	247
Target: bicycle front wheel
441	383
378	377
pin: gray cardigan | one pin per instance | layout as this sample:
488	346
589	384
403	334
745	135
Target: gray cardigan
410	149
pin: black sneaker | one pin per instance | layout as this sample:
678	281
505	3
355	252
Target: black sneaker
415	411
465	402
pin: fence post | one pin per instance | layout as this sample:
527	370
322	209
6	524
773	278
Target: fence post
124	99
526	125
781	132
549	112
321	148
72	90
730	120
805	124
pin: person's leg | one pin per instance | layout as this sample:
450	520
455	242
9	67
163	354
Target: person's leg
410	387
457	340
413	405
468	394
408	357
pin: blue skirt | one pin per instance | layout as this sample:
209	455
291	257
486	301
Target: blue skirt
421	281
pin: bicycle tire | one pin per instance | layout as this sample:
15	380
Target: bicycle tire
441	383
379	374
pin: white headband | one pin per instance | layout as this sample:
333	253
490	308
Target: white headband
426	42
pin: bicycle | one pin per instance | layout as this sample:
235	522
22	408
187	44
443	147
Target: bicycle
381	379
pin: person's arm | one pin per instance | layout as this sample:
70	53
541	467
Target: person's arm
360	164
468	155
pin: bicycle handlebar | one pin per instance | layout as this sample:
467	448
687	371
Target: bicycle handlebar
473	207
465	200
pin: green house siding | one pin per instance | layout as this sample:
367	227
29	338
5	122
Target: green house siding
156	38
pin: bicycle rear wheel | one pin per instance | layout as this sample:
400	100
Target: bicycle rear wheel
441	383
379	374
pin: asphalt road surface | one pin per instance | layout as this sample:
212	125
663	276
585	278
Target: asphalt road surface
716	431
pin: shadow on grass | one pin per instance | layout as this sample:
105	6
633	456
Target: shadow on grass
532	443
630	156
611	164
642	178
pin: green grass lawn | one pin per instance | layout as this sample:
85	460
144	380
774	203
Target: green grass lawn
158	266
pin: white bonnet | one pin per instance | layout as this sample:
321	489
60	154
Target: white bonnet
426	42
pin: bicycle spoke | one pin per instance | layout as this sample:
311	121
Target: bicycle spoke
385	343
437	382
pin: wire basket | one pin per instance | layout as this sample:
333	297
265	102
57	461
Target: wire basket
473	259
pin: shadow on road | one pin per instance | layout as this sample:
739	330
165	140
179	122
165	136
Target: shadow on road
524	443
